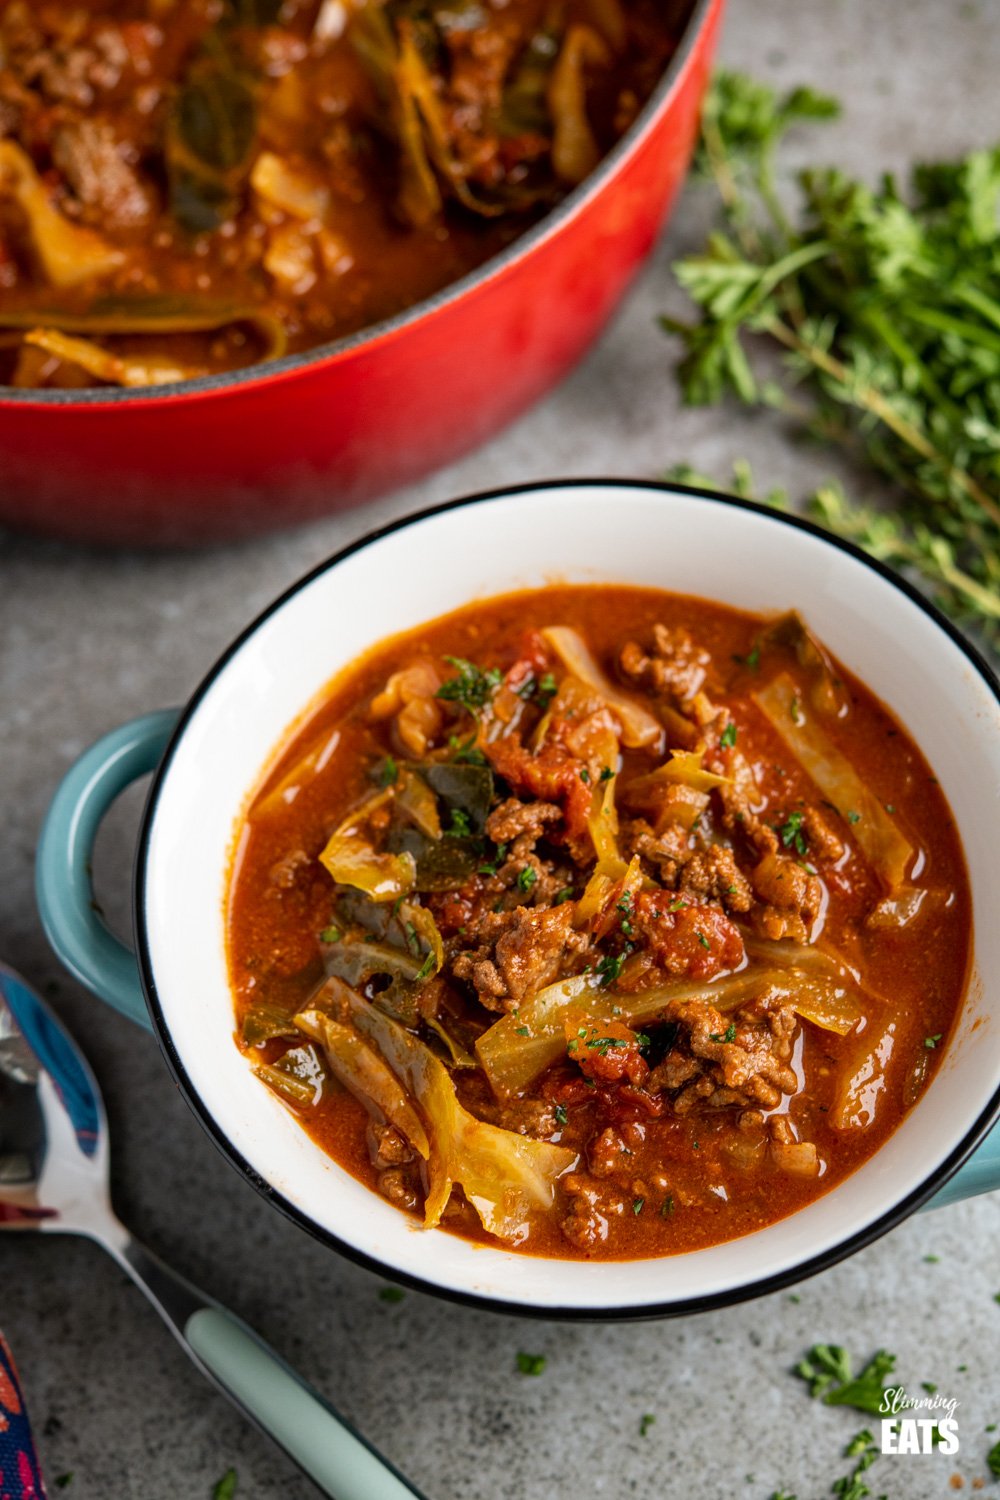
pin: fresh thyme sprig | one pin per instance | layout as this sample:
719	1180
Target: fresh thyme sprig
886	311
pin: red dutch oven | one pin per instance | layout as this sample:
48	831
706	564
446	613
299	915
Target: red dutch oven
229	455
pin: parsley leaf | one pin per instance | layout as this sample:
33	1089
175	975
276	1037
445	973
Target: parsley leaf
527	878
827	1369
883	303
226	1487
993	1460
645	1423
729	1035
791	834
728	735
391	1294
531	1364
472	688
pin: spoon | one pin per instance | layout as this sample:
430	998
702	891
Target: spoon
54	1177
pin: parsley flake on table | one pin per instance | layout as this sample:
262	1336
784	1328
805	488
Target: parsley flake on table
531	1364
226	1487
392	1294
993	1460
829	1374
645	1423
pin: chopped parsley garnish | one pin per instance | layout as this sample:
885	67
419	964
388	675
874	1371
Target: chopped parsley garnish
467	752
637	1204
606	773
566	894
827	1370
932	1260
678	905
224	1490
930	1042
560	1114
495	863
530	1364
460	827
645	1423
412	939
603	1044
889	807
385	772
391	1294
546	690
425	970
585	775
642	1038
667	1206
472	687
330	935
753	657
703	940
791	834
63	1481
729	1035
627	911
527	878
728	735
853	817
522	1031
610	967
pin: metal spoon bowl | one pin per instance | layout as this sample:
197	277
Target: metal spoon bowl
54	1161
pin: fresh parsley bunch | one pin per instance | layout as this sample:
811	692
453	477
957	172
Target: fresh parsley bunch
886	308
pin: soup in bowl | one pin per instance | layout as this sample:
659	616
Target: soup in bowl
611	944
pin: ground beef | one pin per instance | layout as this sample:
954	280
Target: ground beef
821	839
551	775
674	669
713	875
591	1205
791	898
106	188
514	820
386	1146
709	1067
533	1117
519	952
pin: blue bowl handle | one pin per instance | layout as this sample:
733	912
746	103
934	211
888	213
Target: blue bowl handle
980	1174
63	868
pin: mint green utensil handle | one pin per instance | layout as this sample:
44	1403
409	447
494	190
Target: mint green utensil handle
326	1447
63	868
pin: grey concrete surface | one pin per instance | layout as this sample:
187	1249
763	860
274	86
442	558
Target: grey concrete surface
87	640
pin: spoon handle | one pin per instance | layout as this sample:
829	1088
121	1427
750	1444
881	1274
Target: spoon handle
257	1381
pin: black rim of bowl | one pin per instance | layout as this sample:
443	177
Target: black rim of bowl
757	1287
522	246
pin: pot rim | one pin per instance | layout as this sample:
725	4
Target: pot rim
756	1287
498	265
